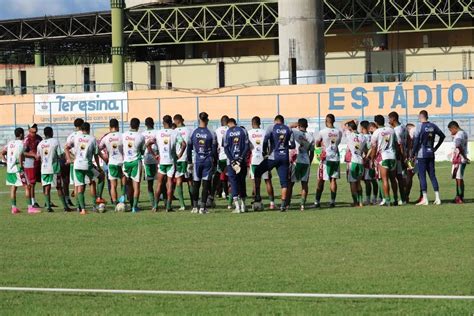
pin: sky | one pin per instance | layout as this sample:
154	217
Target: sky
15	9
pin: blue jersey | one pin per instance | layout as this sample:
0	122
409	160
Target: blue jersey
424	140
236	144
203	145
280	139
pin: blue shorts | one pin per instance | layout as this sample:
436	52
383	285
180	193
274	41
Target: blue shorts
282	166
203	171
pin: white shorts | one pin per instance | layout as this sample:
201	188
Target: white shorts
266	176
457	171
299	172
329	170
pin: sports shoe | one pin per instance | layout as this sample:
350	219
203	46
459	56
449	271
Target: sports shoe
283	208
83	212
437	202
69	202
182	208
33	210
15	210
229	207
195	210
243	207
122	199
154	209
203	210
134	210
237	206
423	202
169	210
258	206
224	196
332	205
458	200
317	205
36	205
385	203
420	199
50	210
272	205
67	210
100	200
302	208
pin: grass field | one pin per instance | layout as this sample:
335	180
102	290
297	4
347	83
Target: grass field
373	250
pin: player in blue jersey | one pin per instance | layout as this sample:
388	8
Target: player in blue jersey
236	147
424	149
202	157
278	141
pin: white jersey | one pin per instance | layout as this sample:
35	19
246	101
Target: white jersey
256	137
133	146
460	143
15	150
402	136
220	133
185	133
149	157
113	144
357	145
70	140
85	147
384	139
166	140
49	152
304	145
330	138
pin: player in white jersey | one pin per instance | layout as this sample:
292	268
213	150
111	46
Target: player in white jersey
150	164
181	173
402	135
219	180
256	137
85	148
384	153
70	139
49	152
13	154
112	145
166	139
459	158
300	166
329	167
133	149
370	180
357	150
412	168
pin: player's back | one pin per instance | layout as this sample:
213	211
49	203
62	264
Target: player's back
203	140
85	147
220	134
330	139
15	149
304	144
49	152
386	139
279	137
133	145
114	145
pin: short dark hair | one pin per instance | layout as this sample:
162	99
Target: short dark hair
86	127
19	132
232	120
203	116
379	119
114	123
280	118
48	131
178	117
303	122
453	124
424	113
393	115
256	120
410	125
364	124
224	120
149	122
331	118
78	122
372	124
352	125
167	120
134	123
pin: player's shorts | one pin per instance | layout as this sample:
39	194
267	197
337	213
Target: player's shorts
17	179
265	176
355	171
299	172
329	170
369	174
150	171
282	166
133	170
167	170
401	169
203	171
115	172
221	165
33	175
182	169
83	177
457	171
390	164
53	180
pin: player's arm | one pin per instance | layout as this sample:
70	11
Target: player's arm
190	148
96	158
226	145
214	147
373	145
183	144
4	153
457	143
291	140
67	151
416	141
441	138
246	146
266	140
311	152
103	148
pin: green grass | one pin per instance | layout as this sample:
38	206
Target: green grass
373	250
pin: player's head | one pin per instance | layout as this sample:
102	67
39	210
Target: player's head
78	123
86	128
379	120
173	126
33	129
167	121
224	120
423	116
372	127
134	123
114	124
453	127
149	123
48	132
178	120
352	126
256	122
231	122
393	118
303	124
279	119
19	133
203	118
330	119
364	127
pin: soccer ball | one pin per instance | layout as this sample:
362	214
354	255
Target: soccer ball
120	207
101	208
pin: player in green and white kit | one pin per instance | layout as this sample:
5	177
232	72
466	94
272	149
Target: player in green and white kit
301	166
221	164
166	140
13	154
70	139
85	147
49	151
112	143
357	147
182	173
150	164
133	149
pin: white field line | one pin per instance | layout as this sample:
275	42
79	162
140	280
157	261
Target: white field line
241	294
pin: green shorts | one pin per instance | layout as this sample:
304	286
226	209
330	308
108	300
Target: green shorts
300	172
329	170
17	179
167	170
355	171
50	179
115	172
181	169
150	171
133	170
390	164
221	165
83	177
